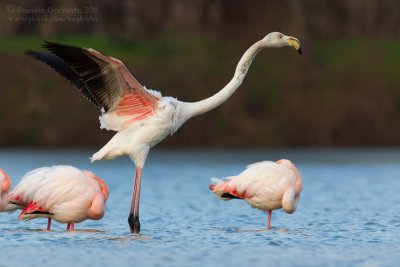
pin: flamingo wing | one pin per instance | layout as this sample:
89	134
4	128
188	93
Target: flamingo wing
25	190
260	180
227	190
32	208
103	80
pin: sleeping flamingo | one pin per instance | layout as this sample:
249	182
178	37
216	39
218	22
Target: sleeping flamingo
63	193
5	184
265	185
141	117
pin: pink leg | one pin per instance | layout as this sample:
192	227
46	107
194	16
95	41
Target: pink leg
269	219
133	218
72	227
48	224
68	226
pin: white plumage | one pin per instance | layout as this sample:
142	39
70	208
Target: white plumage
137	137
265	185
63	193
141	117
5	185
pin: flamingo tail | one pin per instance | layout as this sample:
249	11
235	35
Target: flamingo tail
218	187
31	211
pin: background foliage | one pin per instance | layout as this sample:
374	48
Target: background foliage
344	90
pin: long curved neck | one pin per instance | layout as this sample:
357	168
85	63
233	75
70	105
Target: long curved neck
200	107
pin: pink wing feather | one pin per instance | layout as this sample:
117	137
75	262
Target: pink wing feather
228	187
133	99
102	79
31	208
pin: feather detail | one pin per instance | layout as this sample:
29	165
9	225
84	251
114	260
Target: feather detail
264	185
104	80
226	190
64	193
32	208
5	184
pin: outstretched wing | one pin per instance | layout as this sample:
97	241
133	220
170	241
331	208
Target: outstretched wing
104	80
65	70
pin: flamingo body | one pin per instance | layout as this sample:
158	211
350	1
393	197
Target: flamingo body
63	193
141	117
265	185
5	184
136	138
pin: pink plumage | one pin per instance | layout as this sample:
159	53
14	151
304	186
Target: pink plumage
265	185
5	184
63	193
141	117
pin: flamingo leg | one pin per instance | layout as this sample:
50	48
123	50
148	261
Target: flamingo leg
48	224
68	226
133	218
269	219
72	227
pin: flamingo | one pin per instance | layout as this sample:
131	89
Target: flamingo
141	117
63	193
5	184
264	185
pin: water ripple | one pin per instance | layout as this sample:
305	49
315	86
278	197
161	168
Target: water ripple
347	215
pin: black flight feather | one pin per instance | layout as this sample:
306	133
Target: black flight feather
95	78
64	70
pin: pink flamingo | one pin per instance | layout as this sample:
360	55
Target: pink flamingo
141	117
5	184
63	193
265	185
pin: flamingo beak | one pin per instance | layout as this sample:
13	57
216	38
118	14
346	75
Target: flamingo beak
295	43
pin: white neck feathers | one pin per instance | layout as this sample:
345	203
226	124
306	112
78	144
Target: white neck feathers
200	107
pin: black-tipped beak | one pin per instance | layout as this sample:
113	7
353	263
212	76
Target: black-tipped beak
300	51
295	43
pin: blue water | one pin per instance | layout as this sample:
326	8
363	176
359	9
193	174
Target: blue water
348	214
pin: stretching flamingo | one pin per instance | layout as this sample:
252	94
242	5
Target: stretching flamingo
5	184
265	185
63	193
141	117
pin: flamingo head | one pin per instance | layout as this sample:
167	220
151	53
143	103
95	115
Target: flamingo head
277	39
96	210
287	163
103	186
6	181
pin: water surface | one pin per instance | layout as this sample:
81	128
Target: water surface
348	214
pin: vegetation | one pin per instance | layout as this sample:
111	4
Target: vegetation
343	91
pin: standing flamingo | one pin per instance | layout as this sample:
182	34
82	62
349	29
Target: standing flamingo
141	117
5	184
265	185
63	193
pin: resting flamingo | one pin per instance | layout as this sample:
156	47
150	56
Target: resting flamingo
265	185
141	117
63	193
5	184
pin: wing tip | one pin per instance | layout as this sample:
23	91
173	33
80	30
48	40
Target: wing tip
53	47
48	45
